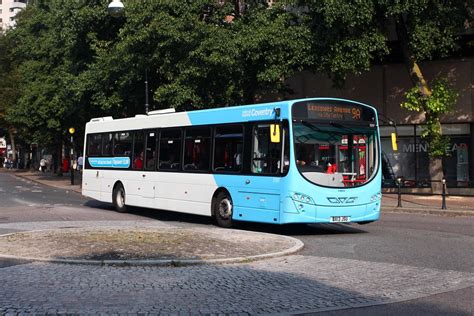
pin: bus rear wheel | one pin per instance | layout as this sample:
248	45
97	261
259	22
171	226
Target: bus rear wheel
118	198
223	210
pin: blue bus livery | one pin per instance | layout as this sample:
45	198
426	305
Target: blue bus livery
299	161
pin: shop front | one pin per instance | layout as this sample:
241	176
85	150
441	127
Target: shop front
411	161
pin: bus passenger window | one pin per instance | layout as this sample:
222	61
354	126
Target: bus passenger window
150	153
228	148
170	149
107	144
138	154
197	148
94	145
122	144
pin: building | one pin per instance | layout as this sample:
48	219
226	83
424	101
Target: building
383	87
8	11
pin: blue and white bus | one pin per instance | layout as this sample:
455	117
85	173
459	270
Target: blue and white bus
299	161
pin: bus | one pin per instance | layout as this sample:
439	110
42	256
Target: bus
314	160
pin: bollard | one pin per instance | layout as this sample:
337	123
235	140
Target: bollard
399	181
443	204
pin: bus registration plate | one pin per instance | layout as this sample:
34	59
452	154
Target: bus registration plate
340	219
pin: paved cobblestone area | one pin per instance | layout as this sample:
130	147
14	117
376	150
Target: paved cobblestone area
284	285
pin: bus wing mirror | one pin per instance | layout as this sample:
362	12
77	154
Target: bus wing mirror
394	142
275	133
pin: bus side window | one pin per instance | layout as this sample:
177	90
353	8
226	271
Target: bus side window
138	154
150	152
123	144
170	149
197	148
228	153
94	145
107	144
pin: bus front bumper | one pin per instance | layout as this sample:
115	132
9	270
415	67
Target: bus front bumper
307	213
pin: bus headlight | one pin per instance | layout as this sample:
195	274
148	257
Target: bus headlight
376	197
303	198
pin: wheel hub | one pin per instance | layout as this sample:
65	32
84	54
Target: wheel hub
120	199
225	208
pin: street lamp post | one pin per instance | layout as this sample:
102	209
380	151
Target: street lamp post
116	9
146	92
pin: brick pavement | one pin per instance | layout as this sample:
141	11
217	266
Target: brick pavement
288	285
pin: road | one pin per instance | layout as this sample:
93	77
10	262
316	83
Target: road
424	246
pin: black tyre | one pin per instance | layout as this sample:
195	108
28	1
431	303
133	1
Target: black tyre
118	198
223	210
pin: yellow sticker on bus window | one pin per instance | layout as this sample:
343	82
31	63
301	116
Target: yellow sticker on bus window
275	133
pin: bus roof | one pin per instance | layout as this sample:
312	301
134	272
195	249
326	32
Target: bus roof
231	114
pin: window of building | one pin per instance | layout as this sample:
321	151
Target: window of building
170	149
197	149
228	153
411	160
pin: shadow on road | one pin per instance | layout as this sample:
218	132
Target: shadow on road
287	229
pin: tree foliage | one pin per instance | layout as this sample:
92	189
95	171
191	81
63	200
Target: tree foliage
196	57
52	48
9	78
76	62
439	102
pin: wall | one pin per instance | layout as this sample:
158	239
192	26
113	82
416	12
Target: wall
383	88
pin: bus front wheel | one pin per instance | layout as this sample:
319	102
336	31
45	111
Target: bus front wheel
223	209
118	198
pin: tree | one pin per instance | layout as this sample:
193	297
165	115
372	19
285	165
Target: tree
51	44
350	36
196	57
9	91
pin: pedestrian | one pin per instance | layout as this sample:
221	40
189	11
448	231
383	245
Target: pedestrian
80	162
42	165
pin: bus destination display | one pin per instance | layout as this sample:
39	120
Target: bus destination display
332	111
